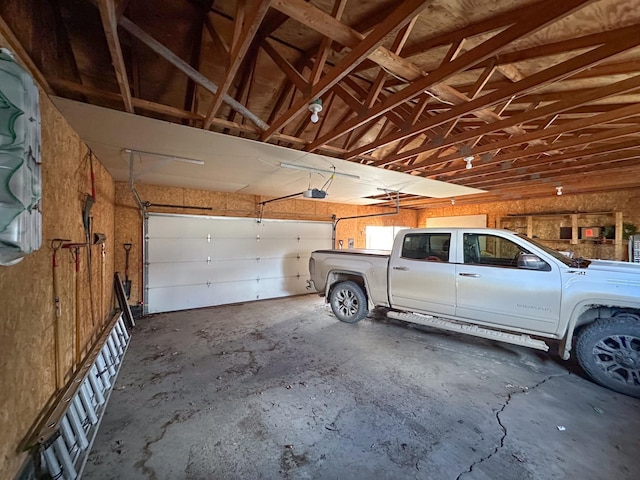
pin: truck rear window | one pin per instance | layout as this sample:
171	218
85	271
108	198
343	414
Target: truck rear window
427	246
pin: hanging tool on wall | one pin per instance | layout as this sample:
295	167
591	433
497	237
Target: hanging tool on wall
127	282
90	199
100	239
55	245
74	248
103	254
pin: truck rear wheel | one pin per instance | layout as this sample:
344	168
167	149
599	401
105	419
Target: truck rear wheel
609	351
348	302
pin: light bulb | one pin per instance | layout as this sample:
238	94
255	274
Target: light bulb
468	159
314	117
469	166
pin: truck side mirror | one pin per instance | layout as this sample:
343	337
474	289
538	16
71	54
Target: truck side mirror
529	261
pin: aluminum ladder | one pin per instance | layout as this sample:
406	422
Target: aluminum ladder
67	435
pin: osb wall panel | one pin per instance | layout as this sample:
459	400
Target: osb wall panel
356	228
27	340
625	201
129	220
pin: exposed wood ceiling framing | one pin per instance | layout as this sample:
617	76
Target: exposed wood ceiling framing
541	93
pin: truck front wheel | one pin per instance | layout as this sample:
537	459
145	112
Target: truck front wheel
609	351
348	302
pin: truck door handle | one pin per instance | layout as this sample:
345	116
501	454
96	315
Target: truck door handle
401	268
473	275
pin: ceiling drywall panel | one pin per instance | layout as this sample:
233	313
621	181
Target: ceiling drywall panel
183	156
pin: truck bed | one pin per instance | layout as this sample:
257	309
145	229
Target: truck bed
371	265
358	251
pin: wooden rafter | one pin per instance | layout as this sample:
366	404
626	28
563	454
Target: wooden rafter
243	93
551	167
196	54
110	26
344	35
217	39
626	40
529	115
396	20
623	112
396	47
325	43
238	51
289	70
183	66
484	26
550	49
547	13
495	169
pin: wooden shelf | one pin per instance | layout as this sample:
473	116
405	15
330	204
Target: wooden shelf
547	224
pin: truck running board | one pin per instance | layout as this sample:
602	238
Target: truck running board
453	326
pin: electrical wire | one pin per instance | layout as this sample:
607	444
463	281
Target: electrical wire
329	181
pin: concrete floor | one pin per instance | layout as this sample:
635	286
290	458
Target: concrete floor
280	389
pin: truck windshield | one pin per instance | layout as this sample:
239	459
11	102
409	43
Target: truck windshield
569	262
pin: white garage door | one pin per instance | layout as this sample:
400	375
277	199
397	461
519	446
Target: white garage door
195	261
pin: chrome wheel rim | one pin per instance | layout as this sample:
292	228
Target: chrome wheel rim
619	357
346	303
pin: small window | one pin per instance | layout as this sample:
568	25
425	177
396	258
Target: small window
432	247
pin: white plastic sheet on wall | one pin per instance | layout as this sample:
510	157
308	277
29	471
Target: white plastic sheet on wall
20	176
195	261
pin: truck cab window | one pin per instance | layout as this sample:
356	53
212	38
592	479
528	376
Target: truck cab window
432	247
484	249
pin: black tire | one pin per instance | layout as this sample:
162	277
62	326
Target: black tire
348	302
609	352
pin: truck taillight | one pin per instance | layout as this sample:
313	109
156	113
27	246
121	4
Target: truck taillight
312	266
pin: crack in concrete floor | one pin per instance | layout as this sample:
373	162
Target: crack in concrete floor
510	396
141	464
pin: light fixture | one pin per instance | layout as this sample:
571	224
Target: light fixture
315	107
559	190
453	201
469	159
318	170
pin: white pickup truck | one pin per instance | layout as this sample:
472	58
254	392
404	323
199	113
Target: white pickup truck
496	284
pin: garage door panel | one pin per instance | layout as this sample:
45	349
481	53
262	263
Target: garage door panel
178	250
233	270
235	248
233	292
283	287
167	274
243	260
177	297
276	267
174	226
295	266
236	228
281	230
277	247
270	267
